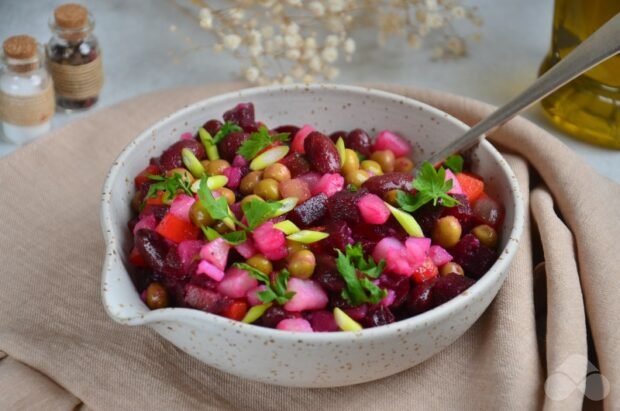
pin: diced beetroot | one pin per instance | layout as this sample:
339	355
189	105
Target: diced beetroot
295	324
323	321
188	251
158	211
449	286
171	157
378	315
488	211
425	271
252	295
343	206
153	248
356	313
212	126
329	184
439	255
399	284
204	299
210	270
327	275
395	254
270	241
421	297
475	258
297	144
359	141
246	249
295	187
310	212
463	212
296	164
373	209
380	185
239	161
322	153
236	283
216	252
274	315
339	235
148	222
229	145
181	205
456	186
308	295
387	140
287	128
243	115
234	177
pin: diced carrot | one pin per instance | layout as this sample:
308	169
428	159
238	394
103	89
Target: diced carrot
143	177
472	186
158	200
136	259
236	310
177	230
425	271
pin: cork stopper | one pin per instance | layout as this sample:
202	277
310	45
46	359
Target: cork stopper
71	16
20	47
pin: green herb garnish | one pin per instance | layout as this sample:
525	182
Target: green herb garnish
258	141
169	185
431	185
359	289
233	238
217	207
225	130
257	211
276	290
455	163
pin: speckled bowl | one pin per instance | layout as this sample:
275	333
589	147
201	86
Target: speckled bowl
293	358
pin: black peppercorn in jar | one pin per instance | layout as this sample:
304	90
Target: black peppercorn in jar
74	58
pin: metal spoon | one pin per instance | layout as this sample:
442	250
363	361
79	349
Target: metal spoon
601	45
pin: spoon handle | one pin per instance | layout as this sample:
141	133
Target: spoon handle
601	45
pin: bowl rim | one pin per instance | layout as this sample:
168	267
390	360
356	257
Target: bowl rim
178	314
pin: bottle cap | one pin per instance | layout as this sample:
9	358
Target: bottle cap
20	47
71	16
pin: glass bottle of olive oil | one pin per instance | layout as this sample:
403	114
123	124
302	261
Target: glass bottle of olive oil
589	106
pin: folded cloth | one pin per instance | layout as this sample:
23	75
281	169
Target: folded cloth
531	349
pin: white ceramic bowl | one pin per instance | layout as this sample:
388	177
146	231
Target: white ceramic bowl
293	358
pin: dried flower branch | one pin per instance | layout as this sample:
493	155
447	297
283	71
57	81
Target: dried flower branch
285	41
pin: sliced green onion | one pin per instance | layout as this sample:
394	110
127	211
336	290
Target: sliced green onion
210	147
255	313
345	322
286	205
407	221
341	150
192	163
269	157
212	153
307	236
213	183
287	227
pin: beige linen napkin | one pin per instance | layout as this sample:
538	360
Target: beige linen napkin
60	351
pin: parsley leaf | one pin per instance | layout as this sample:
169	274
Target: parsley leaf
258	141
431	185
455	163
257	212
225	130
359	289
276	291
169	185
217	207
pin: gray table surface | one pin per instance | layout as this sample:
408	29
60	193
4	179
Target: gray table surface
142	55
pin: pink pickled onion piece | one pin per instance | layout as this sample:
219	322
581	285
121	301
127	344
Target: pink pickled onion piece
204	267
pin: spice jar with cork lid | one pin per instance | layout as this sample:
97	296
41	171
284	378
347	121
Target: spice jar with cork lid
74	58
26	91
